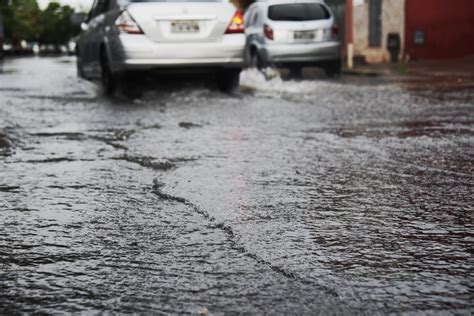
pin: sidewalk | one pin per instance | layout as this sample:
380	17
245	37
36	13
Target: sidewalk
458	69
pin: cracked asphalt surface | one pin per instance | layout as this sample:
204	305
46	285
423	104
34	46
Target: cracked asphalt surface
292	197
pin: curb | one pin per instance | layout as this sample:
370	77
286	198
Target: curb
362	73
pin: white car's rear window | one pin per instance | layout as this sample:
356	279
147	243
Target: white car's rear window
298	12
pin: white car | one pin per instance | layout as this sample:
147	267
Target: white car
124	39
292	34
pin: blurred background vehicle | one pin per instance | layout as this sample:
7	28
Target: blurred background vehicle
292	34
2	36
124	40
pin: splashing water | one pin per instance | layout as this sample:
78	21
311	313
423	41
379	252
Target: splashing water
270	80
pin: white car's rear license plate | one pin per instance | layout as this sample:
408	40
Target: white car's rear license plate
184	27
307	35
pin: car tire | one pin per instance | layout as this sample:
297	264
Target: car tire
108	78
333	69
228	81
80	70
296	72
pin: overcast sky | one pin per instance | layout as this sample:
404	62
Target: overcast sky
79	4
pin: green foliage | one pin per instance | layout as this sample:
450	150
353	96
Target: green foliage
23	20
20	19
244	4
56	27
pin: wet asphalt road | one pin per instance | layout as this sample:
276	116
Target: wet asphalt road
311	197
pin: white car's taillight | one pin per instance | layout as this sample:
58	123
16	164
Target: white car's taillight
237	24
268	32
335	32
126	24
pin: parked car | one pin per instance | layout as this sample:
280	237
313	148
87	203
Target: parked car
123	40
292	34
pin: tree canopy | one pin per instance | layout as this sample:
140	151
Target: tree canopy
24	20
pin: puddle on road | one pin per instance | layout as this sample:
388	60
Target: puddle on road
407	129
326	211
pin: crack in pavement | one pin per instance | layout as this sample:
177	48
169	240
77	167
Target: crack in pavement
148	162
231	237
52	160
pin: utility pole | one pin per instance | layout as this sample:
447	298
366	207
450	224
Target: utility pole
349	40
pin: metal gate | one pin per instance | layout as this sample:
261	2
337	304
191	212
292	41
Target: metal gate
375	23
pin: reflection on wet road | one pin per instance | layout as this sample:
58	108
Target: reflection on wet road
337	197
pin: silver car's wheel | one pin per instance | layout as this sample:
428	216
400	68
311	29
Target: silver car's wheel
229	80
80	70
108	79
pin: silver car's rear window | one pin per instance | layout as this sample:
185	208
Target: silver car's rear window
298	12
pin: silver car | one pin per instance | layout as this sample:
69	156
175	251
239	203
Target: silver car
292	34
122	39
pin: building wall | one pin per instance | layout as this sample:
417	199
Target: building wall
393	21
338	8
448	28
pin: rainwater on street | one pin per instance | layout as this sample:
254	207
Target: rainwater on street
296	197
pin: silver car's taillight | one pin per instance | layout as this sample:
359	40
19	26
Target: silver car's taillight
126	24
